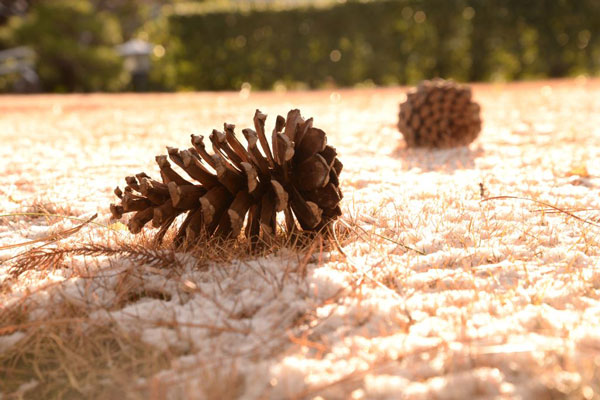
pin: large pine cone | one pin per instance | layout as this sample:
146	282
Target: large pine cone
439	113
299	177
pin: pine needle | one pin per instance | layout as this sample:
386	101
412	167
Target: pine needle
557	209
42	258
54	237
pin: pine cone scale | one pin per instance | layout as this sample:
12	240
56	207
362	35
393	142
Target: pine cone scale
236	146
237	211
314	141
162	213
168	174
284	148
131	202
150	189
259	126
213	201
140	219
312	173
328	196
231	178
293	120
280	195
116	211
185	197
307	212
254	153
132	183
192	165
221	148
267	215
192	227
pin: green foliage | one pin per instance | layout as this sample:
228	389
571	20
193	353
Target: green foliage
220	45
131	14
163	74
74	44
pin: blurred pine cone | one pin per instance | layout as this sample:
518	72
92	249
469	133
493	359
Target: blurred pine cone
439	113
299	176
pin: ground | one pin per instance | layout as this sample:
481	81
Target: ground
440	290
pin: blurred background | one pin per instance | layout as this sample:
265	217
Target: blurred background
173	45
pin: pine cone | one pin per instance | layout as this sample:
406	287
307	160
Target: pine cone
299	177
439	113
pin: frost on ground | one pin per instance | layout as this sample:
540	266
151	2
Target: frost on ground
438	295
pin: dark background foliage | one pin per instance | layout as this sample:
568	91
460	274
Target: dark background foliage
222	45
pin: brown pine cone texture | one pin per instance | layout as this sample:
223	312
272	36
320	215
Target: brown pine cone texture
298	176
441	114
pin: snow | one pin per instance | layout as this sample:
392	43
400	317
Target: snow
7	341
439	294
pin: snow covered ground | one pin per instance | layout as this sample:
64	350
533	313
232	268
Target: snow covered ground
439	295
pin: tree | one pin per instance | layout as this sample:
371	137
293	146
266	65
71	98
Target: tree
74	44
